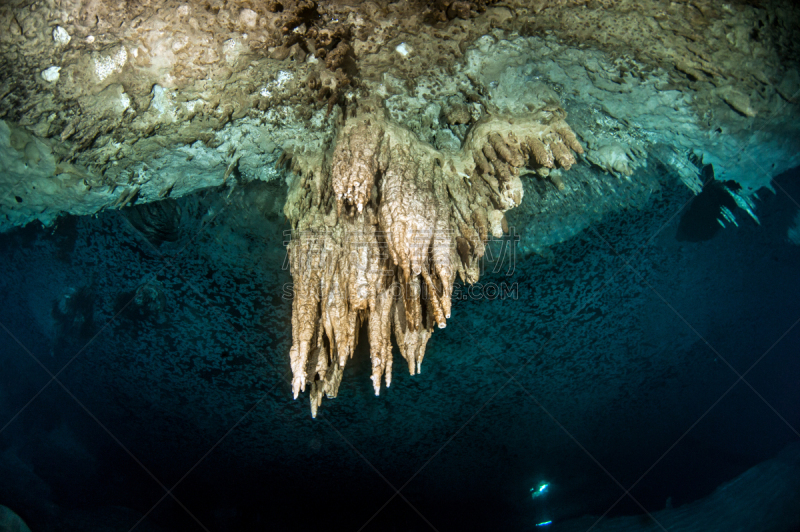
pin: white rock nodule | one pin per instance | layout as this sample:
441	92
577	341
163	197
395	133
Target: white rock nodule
60	36
51	74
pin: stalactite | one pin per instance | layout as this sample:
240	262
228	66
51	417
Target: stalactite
383	225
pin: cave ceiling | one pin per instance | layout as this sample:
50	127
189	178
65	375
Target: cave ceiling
107	104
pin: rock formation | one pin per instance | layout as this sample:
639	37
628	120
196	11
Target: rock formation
408	128
381	228
11	522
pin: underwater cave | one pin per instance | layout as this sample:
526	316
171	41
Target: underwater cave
403	266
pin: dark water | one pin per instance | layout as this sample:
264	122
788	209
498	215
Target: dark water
145	372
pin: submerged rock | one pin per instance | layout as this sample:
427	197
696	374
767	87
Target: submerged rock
11	522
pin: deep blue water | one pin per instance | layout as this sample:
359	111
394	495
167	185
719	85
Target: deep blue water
146	350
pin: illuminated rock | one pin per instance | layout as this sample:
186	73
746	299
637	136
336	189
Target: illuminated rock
381	230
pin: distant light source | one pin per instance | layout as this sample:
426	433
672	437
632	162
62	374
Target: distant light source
539	490
544	523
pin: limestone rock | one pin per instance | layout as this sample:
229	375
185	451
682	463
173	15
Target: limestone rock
380	233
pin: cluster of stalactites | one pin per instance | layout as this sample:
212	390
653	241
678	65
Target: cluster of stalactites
380	233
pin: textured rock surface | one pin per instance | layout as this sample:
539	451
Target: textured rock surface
157	101
189	129
381	231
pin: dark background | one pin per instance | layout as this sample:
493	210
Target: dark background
167	331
